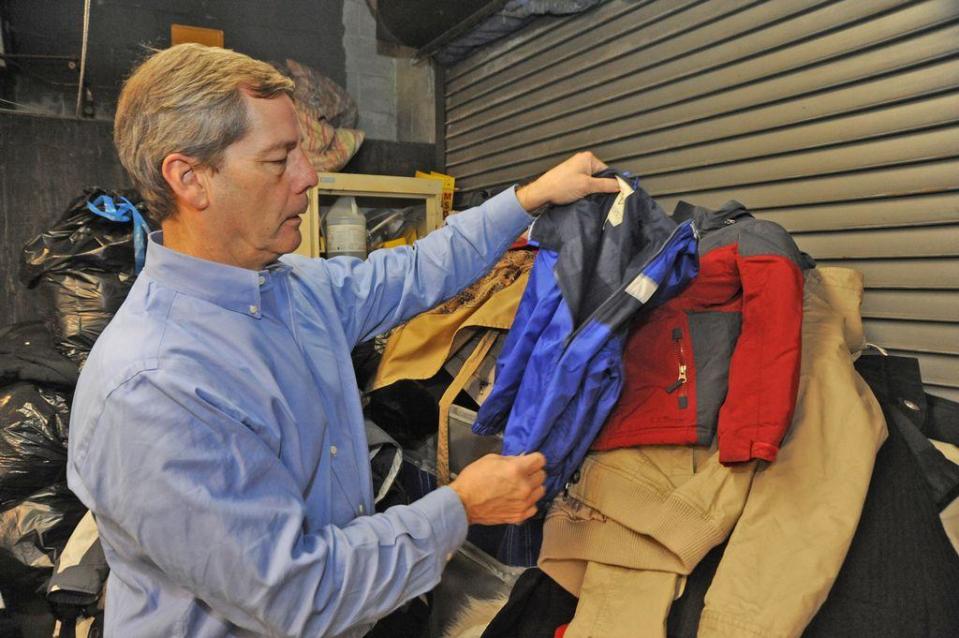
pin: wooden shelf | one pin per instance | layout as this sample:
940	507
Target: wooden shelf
358	185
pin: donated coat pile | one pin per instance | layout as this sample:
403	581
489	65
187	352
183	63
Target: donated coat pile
711	426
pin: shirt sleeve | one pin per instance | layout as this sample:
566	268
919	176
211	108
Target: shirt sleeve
178	480
393	285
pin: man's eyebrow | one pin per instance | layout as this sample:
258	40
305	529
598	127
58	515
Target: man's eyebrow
286	145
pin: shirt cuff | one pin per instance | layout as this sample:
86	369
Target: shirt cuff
507	207
447	516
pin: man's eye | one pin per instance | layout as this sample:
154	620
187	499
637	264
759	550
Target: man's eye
279	161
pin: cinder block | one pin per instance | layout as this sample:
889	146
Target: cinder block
378	90
357	18
378	125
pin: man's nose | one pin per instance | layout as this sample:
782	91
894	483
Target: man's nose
306	174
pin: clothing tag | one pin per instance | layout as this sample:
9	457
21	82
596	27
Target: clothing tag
615	216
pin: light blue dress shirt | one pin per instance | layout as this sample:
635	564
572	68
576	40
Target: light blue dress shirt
217	435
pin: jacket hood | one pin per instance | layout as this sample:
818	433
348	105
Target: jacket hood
707	219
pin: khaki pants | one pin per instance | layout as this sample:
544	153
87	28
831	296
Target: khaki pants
626	554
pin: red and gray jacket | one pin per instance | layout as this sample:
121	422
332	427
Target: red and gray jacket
723	355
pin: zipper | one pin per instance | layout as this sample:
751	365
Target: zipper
681	360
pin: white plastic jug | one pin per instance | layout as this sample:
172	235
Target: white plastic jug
345	230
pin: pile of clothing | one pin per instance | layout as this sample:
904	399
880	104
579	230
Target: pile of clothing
711	430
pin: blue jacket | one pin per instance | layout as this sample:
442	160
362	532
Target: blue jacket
602	260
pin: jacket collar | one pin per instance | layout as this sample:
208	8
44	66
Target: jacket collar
706	219
230	287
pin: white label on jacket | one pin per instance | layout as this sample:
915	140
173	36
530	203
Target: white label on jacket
345	238
615	216
642	288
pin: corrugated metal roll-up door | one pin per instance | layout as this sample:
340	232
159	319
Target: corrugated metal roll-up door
838	119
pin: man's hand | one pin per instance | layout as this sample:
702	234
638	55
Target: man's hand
567	182
501	489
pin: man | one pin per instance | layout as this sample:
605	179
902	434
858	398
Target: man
217	432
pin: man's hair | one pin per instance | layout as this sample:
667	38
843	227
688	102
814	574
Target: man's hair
186	99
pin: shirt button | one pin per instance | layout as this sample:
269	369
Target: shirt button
333	450
361	510
262	280
253	309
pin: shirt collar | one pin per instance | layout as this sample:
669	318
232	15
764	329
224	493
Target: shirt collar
231	287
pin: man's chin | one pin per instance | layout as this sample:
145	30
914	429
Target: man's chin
289	238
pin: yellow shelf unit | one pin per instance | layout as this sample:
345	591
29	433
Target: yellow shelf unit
343	184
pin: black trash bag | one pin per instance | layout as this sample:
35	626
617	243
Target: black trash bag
33	532
33	440
83	304
84	265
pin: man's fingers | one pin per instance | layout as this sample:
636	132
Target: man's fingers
603	185
532	463
528	513
537	495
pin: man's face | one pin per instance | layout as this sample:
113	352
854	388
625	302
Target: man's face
261	187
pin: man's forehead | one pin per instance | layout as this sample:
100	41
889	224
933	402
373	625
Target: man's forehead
273	123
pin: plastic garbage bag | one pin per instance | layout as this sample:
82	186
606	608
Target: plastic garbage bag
33	532
33	440
85	264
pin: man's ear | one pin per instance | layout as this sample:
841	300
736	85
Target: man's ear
186	180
